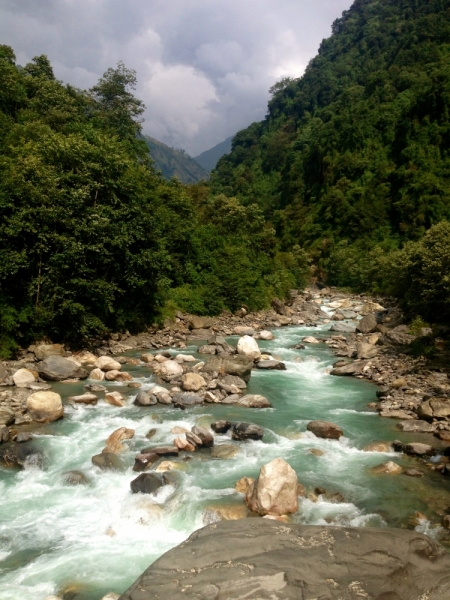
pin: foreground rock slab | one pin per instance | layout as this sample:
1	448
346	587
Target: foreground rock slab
259	558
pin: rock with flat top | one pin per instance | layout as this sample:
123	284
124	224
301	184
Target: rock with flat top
192	382
271	365
86	398
43	351
115	399
388	468
265	559
419	449
253	401
325	430
238	365
58	368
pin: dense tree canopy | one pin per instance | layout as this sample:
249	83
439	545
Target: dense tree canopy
92	239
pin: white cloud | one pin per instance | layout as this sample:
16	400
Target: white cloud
204	66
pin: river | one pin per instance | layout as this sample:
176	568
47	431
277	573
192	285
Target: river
92	539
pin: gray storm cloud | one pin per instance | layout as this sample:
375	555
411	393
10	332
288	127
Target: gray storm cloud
204	67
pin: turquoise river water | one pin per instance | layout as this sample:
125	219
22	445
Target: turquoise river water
99	537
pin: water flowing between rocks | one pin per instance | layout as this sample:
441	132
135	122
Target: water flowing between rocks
99	537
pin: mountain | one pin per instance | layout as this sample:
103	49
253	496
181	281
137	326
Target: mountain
209	158
358	149
175	162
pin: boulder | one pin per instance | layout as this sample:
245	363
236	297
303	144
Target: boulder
106	461
6	417
325	430
272	365
58	368
221	426
86	398
144	460
388	468
246	431
148	483
184	444
209	349
434	408
413	426
115	399
378	447
253	401
261	558
278	306
365	350
111	596
4	374
248	346
193	439
192	382
115	375
170	369
200	322
418	449
186	400
75	478
367	324
274	492
224	451
97	375
234	380
20	455
23	378
243	484
45	407
114	442
107	363
207	439
310	340
343	328
145	399
266	335
43	351
238	365
147	358
350	368
371	307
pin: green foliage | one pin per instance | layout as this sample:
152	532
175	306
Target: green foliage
92	238
358	148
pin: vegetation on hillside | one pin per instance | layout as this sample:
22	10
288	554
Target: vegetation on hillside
353	159
92	238
173	162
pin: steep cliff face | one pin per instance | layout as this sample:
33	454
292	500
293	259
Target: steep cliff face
359	146
256	558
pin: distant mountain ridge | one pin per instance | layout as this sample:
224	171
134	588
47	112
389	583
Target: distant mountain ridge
175	162
209	158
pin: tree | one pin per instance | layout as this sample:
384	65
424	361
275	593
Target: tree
116	108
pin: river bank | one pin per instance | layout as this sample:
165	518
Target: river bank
99	524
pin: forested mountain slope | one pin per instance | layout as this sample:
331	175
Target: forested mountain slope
209	158
358	148
173	162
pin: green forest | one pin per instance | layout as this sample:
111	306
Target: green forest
353	159
92	238
346	180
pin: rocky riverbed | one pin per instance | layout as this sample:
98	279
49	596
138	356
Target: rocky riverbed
158	412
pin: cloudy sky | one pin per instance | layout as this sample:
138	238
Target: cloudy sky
204	67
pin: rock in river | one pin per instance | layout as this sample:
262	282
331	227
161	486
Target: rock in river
325	429
275	490
148	483
45	407
253	401
246	431
248	346
259	558
276	365
58	368
238	365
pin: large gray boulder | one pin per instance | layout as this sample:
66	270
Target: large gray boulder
238	365
58	368
343	328
367	324
264	559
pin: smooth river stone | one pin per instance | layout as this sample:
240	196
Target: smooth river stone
297	561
